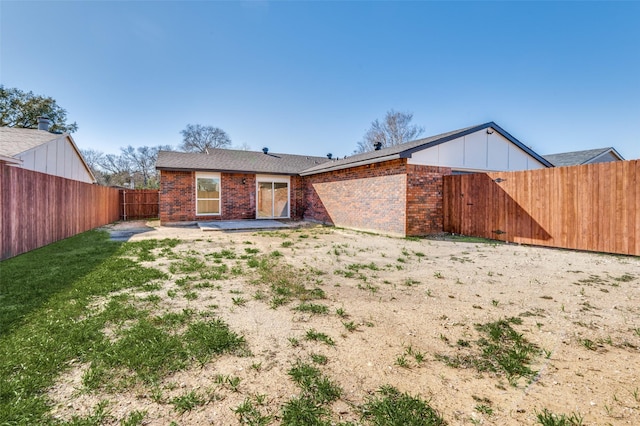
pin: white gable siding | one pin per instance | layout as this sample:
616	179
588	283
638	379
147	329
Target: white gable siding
497	153
60	168
454	154
39	158
57	157
478	151
475	150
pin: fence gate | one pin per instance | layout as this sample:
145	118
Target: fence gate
139	204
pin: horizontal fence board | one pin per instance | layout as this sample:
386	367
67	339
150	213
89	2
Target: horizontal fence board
595	207
37	209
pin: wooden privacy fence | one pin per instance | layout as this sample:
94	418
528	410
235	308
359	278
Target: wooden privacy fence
593	207
139	204
37	209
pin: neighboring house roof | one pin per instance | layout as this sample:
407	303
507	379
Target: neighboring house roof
15	141
575	158
236	161
406	149
10	160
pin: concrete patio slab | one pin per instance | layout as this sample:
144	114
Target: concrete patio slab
239	225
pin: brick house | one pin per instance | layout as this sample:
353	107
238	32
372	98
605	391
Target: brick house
229	184
395	190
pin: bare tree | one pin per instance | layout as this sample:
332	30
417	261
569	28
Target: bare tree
116	169
115	164
395	129
132	164
197	138
243	147
93	158
142	161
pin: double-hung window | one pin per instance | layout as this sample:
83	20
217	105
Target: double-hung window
207	194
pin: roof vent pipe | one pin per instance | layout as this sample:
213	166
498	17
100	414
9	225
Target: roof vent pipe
329	156
377	146
265	150
43	123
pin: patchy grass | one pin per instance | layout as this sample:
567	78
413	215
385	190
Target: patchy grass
187	265
57	283
502	350
312	308
313	384
187	402
317	392
285	282
105	327
625	278
466	239
151	352
547	418
143	250
390	407
319	337
206	339
249	414
47	319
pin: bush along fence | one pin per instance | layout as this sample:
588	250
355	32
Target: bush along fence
37	209
595	207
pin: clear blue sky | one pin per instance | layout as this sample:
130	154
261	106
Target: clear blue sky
309	77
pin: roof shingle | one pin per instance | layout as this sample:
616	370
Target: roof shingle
575	158
15	140
229	160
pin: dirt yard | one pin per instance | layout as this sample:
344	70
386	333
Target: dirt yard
400	312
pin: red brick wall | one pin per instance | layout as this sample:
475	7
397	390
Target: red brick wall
390	197
424	199
177	196
238	198
298	205
238	192
371	197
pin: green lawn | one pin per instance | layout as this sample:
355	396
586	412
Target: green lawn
43	324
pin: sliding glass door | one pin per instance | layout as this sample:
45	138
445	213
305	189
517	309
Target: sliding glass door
272	197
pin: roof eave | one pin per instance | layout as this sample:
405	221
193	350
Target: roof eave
10	160
79	153
522	146
408	153
349	165
206	169
607	151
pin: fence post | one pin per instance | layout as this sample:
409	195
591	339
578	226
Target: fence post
124	205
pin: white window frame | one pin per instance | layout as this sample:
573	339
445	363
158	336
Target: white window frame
207	175
274	179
